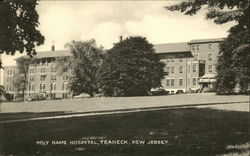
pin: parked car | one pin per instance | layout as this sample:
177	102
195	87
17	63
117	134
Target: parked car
82	95
160	92
179	92
37	97
99	95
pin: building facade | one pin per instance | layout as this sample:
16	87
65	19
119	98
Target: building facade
191	66
43	77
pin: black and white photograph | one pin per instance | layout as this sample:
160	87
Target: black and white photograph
124	78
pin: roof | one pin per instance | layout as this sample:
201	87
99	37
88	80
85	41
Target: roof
49	54
208	76
172	47
206	40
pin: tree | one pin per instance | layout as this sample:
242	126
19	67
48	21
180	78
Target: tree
2	90
131	68
18	27
234	60
21	79
84	63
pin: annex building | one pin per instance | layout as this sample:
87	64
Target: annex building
43	78
190	66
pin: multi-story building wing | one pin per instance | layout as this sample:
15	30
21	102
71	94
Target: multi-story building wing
190	65
43	77
8	79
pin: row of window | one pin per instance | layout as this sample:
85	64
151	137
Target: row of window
9	79
171	82
43	70
197	47
43	77
8	88
172	69
52	86
196	57
10	72
168	60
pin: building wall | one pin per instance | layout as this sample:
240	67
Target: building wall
43	78
8	78
201	53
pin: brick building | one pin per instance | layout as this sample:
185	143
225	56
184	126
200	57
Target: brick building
190	65
43	78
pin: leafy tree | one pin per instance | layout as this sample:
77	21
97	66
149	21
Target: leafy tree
84	63
2	90
18	27
234	60
131	68
21	79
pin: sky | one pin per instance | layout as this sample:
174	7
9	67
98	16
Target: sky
105	21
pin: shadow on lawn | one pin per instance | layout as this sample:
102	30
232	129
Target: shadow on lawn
188	131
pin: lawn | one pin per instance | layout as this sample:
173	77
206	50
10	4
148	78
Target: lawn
188	131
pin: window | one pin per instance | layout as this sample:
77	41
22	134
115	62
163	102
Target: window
65	77
210	46
210	68
31	86
181	60
210	56
53	69
180	82
181	69
43	70
43	62
42	78
193	47
167	60
194	81
172	70
53	77
31	71
64	86
53	86
42	86
197	47
196	56
10	88
32	78
194	68
172	60
172	82
167	82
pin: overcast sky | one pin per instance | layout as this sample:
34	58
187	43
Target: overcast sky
105	21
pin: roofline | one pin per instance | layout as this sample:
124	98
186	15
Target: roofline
174	52
209	40
42	52
169	43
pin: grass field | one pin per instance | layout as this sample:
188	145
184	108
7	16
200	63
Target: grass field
188	132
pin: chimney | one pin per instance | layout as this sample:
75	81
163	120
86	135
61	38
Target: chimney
120	38
53	46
